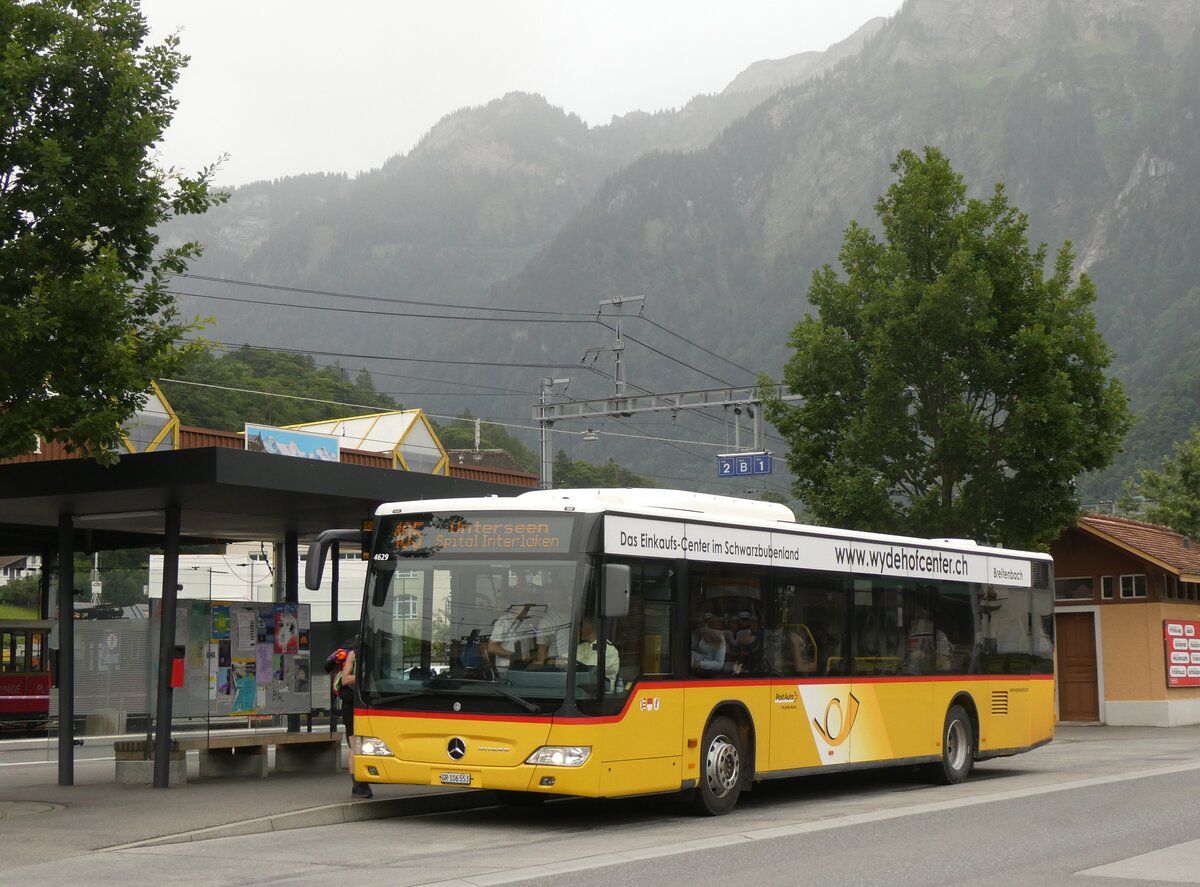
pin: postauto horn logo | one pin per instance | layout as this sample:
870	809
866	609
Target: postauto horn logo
837	725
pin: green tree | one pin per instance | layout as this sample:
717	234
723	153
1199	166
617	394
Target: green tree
459	434
949	387
244	386
577	474
22	593
87	320
1171	495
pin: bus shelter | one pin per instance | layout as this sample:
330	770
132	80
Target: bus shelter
168	498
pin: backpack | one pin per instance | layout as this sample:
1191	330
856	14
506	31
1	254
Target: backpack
336	660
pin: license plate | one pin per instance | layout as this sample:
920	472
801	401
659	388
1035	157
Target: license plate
456	778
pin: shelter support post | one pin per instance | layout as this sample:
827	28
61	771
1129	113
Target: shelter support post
166	646
335	553
66	650
291	595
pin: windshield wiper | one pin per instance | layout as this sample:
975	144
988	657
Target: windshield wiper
441	680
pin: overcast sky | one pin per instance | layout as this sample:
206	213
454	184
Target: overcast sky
295	86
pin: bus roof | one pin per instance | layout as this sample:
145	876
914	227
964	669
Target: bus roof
681	505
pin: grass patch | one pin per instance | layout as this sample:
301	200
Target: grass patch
14	611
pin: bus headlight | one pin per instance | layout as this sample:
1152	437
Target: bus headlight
561	755
370	745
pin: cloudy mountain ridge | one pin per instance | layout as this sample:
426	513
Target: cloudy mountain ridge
719	213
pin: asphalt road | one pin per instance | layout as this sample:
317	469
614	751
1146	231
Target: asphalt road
1098	809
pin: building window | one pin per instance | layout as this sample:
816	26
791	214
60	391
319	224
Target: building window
1080	588
406	606
1133	586
1106	588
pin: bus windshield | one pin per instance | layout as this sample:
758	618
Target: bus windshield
453	616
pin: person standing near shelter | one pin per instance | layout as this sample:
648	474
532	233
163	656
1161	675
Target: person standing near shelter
344	681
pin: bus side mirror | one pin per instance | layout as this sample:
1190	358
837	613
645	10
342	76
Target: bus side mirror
315	565
615	598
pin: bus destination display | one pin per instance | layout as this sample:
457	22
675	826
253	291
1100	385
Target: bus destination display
424	535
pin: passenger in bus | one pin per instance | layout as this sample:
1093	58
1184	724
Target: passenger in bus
748	645
588	653
516	639
708	646
555	628
719	623
927	649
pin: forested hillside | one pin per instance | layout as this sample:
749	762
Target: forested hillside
719	213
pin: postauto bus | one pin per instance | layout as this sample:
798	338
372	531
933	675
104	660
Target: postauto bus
605	643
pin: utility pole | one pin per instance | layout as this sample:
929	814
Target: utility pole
743	398
618	346
547	473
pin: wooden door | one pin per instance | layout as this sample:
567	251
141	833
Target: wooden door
1078	687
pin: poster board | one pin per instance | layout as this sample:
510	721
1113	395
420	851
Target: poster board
1182	641
243	658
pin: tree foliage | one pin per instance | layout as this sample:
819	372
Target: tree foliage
950	387
577	474
459	434
87	320
22	593
1171	494
245	385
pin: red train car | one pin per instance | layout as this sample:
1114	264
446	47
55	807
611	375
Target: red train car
24	671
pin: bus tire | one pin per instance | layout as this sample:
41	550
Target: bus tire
958	748
721	764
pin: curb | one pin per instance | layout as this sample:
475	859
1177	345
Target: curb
329	814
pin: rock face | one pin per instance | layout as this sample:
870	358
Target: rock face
1088	112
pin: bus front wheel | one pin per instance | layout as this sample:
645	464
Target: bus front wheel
958	748
721	762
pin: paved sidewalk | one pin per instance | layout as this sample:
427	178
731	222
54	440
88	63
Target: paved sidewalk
41	821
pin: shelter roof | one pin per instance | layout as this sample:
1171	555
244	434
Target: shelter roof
225	495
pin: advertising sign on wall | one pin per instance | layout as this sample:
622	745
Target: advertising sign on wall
1182	640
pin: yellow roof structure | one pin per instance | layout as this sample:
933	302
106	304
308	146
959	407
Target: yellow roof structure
153	427
406	434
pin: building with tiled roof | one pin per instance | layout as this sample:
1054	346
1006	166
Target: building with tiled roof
1127	622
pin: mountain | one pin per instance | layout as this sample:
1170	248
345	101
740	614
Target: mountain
718	214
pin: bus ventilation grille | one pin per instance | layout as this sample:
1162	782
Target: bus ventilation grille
999	702
1041	575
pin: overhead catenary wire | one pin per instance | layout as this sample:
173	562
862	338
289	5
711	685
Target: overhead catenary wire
385	299
527	316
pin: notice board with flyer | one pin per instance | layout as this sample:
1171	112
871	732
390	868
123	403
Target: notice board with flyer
1183	652
242	658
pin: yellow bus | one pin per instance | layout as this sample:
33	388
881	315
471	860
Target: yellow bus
607	643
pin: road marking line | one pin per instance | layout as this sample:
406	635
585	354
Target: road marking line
799	828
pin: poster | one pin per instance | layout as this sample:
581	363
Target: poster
245	695
220	622
287	629
1182	641
303	681
262	661
229	672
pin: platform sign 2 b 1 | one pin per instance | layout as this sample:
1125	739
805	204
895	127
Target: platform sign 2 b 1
739	464
1183	652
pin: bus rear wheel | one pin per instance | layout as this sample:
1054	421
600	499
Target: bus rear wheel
721	762
958	748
